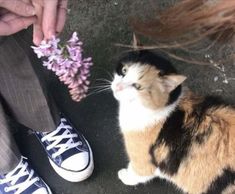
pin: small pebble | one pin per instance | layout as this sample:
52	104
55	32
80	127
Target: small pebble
216	78
225	81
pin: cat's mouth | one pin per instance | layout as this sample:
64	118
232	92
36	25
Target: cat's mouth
119	87
123	92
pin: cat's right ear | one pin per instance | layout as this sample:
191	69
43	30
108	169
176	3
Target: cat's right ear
173	81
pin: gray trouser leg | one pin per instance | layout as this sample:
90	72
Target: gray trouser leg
21	90
9	153
20	87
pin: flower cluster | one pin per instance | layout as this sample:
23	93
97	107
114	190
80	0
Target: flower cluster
68	64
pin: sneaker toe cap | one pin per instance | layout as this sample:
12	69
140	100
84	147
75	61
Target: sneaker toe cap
76	162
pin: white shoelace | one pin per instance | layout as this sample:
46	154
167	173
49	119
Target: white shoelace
56	140
12	178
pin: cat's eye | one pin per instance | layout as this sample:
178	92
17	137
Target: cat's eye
124	69
137	86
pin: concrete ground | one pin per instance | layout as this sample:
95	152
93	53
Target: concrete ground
100	24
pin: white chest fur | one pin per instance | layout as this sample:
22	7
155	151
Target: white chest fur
159	174
135	117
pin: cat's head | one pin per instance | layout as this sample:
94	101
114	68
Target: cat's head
145	78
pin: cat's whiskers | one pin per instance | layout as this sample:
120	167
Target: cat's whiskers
99	90
104	80
110	75
101	85
104	86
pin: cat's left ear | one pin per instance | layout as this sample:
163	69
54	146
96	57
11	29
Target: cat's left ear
172	81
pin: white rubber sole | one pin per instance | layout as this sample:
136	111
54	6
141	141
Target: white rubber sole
49	190
75	176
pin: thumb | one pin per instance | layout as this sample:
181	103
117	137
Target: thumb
18	7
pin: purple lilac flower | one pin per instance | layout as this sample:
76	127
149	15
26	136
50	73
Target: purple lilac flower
67	63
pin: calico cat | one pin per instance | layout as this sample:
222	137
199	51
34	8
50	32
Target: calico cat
169	132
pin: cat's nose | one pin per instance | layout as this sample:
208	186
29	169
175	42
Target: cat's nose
119	87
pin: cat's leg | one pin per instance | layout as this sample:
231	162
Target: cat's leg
129	177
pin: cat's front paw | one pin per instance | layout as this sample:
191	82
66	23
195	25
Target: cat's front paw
126	177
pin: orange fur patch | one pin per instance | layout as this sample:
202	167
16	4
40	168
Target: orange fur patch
205	161
137	146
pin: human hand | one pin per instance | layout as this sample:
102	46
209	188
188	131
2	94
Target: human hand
15	15
51	16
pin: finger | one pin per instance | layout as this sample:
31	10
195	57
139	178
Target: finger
15	25
49	18
3	11
37	34
9	16
26	1
37	27
63	4
18	7
61	18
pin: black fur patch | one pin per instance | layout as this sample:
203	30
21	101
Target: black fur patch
201	138
222	182
177	138
147	57
174	95
200	110
209	102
